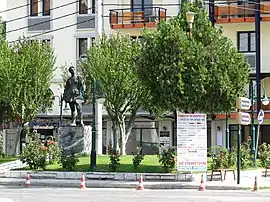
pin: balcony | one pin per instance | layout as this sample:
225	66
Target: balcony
137	17
239	12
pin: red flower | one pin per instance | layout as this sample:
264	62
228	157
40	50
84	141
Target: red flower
43	148
51	142
249	138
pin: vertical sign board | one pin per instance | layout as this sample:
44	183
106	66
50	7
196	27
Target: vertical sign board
191	142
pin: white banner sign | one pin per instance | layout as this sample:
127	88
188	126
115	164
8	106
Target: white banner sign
191	142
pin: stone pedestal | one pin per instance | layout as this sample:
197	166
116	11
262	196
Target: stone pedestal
75	139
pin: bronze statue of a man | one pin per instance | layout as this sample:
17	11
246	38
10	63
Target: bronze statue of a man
73	94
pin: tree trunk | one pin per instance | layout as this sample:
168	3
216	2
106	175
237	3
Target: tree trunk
123	139
115	144
125	133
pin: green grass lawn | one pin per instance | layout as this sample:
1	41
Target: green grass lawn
7	159
150	164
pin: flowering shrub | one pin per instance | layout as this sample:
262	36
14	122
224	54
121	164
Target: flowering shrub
221	157
246	157
53	151
264	154
224	158
167	159
68	162
137	158
36	154
114	160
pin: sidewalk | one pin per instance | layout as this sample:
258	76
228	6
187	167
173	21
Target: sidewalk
11	165
246	184
128	180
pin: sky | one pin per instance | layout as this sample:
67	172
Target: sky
3	6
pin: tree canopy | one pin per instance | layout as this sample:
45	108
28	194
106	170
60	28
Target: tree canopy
203	72
2	28
26	71
111	60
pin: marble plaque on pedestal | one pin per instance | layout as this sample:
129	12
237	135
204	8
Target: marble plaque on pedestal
75	139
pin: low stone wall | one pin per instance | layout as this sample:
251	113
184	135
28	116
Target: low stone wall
100	176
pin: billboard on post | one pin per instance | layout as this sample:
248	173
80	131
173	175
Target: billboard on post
191	142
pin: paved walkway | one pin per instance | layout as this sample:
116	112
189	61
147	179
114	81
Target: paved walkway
11	165
246	184
246	181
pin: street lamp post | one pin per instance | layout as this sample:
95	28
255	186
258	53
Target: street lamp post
227	131
190	19
95	99
93	158
61	109
264	101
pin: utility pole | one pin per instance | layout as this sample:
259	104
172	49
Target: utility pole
258	52
258	60
211	7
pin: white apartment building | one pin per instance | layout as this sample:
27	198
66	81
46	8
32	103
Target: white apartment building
71	27
238	21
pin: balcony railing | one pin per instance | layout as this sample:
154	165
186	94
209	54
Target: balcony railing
240	11
136	17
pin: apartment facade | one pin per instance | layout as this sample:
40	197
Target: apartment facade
238	21
71	26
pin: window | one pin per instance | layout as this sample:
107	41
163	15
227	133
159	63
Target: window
46	7
143	5
246	42
83	44
40	7
34	7
83	4
86	6
138	5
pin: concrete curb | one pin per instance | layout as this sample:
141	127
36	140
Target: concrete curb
109	176
117	184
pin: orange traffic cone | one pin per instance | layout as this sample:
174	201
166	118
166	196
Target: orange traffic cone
82	185
256	188
27	181
202	185
140	186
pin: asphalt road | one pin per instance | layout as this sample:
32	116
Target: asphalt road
127	195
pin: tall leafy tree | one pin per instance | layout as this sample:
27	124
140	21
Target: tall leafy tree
112	62
35	63
27	69
201	71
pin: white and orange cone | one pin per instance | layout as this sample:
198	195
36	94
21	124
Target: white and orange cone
140	180
27	181
256	188
82	185
202	185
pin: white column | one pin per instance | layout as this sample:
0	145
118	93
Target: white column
99	128
98	18
98	28
4	140
213	133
